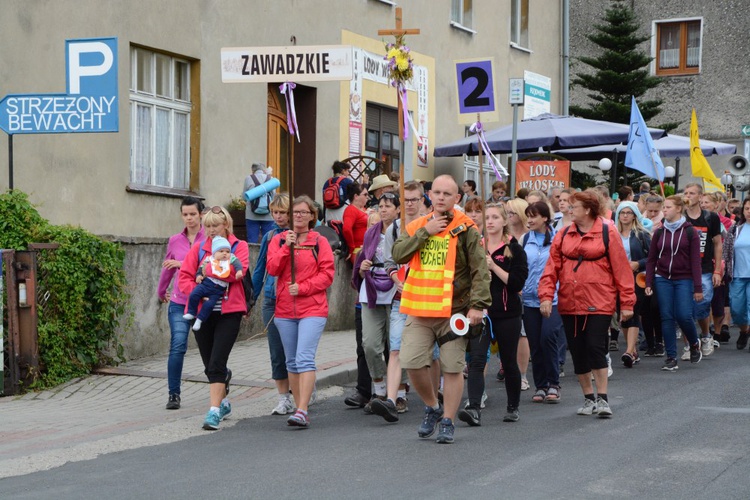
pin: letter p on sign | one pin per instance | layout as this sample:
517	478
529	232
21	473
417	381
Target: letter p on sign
87	59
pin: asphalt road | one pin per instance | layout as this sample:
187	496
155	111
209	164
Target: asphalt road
673	435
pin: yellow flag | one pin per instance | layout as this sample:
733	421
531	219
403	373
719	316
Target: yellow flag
698	162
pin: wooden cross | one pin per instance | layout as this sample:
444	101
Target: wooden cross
399	32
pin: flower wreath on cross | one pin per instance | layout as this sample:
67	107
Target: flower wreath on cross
400	63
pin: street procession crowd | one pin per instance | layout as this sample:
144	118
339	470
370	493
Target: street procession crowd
526	279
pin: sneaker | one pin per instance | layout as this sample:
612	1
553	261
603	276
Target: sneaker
696	353
484	398
356	400
613	345
724	334
174	402
386	409
610	371
588	408
471	416
431	418
511	415
685	354
225	409
227	380
284	406
650	352
211	423
402	405
670	365
627	360
299	419
602	408
659	350
368	406
742	340
707	346
445	434
636	358
524	384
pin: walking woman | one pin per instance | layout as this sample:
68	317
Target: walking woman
673	271
506	261
218	333
301	303
542	332
177	248
266	284
636	241
737	259
355	218
592	270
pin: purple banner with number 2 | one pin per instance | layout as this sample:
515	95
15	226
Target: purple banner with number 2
475	87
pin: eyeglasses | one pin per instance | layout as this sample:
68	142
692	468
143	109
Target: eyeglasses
510	213
301	213
411	200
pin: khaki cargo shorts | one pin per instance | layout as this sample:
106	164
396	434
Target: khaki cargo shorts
418	341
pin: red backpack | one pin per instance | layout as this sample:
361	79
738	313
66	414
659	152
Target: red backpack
333	195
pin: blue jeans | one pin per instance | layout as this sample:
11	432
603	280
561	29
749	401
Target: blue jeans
208	290
256	229
702	309
739	295
275	347
543	334
300	338
179	331
672	296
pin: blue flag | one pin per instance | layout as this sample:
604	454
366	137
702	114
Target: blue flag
641	154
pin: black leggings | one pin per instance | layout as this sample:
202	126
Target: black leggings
651	320
507	331
588	341
215	340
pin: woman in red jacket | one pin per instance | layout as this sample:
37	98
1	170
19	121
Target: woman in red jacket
301	303
355	218
593	272
218	333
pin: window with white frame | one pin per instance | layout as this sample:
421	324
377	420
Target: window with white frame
160	119
519	23
461	12
678	47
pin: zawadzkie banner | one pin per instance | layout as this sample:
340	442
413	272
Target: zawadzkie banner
542	174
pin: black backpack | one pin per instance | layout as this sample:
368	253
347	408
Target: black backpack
247	278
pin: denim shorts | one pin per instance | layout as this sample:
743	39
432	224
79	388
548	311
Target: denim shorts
702	309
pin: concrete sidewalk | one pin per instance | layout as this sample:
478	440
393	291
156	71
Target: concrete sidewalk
123	408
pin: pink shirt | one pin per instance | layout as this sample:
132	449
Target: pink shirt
177	249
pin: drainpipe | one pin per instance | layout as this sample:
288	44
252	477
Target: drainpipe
565	56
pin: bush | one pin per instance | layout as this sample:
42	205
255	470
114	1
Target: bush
87	291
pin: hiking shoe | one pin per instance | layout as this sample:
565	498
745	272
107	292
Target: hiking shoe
659	350
386	409
402	405
707	346
356	400
588	408
670	365
227	379
285	406
471	416
685	354
742	340
627	360
445	434
368	406
724	334
211	423
299	419
225	409
431	418
553	395
174	402
511	415
602	408
613	345
696	354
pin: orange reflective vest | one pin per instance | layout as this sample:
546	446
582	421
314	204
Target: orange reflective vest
428	291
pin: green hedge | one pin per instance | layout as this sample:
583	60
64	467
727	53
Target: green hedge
87	291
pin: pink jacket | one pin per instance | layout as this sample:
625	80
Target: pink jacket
314	274
596	284
235	301
177	248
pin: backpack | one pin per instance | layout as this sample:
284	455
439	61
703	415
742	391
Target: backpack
339	245
260	205
580	258
315	248
247	278
333	194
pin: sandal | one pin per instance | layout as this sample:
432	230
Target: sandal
553	395
539	396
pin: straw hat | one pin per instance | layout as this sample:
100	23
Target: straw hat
380	181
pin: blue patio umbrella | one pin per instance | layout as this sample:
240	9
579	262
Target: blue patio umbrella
669	146
546	131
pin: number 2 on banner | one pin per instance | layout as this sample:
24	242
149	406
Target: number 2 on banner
476	90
